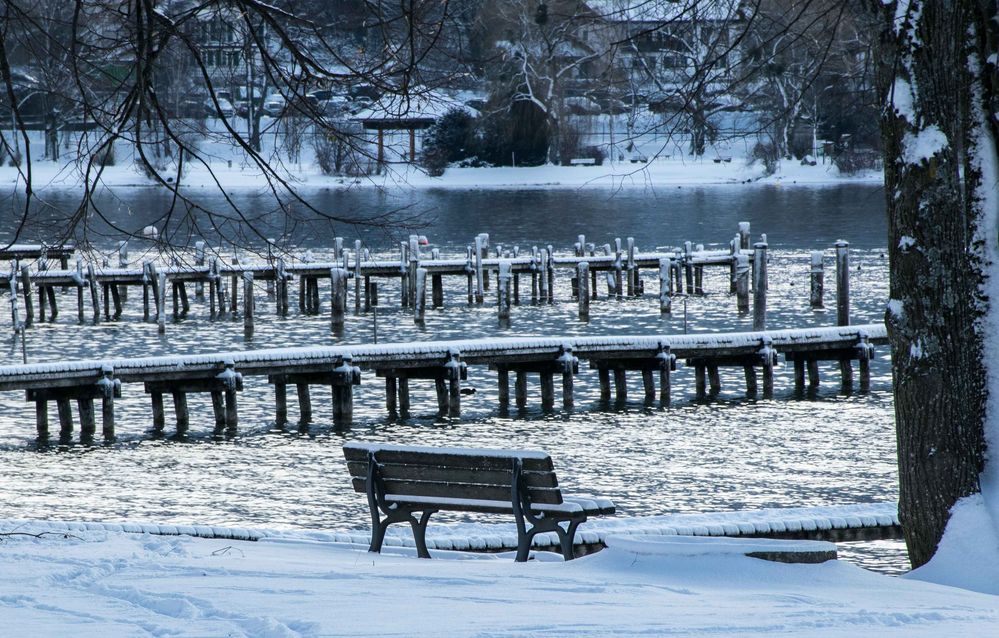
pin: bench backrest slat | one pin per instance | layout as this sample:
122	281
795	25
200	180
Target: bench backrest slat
454	473
461	490
436	473
444	458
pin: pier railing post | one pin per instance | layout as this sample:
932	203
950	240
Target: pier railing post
760	286
583	277
816	279
568	365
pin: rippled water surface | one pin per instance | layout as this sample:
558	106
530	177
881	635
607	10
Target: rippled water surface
828	447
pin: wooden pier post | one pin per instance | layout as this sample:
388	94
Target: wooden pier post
543	276
485	254
338	297
181	412
620	385
744	235
760	286
503	290
813	373
42	419
420	300
65	419
567	365
479	283
665	285
391	394
666	360
817	279
603	377
649	385
688	266
699	274
742	283
161	304
280	404
110	389
247	304
413	252
632	269
88	422
304	403
403	397
583	279
520	389
799	375
234	287
733	249
550	258
218	412
357	275
618	269
231	379
865	352
199	261
503	382
440	386
751	384
700	384
29	313
547	390
159	418
437	290
843	303
842	283
454	368
769	357
281	288
714	381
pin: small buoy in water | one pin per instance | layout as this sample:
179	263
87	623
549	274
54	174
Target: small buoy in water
423	240
467	390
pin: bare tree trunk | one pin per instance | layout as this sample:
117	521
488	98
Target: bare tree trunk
936	312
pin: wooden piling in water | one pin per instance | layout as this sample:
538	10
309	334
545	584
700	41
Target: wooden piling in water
29	314
632	270
503	383
688	266
247	304
742	283
744	235
357	275
665	286
699	275
842	283
760	286
618	269
479	283
816	279
338	296
520	389
503	290
161	304
547	390
583	296
181	412
65	419
199	260
437	290
420	300
620	385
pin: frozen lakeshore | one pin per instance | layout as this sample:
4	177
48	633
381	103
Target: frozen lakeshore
101	583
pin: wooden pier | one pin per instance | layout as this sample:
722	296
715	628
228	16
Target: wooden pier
340	368
103	289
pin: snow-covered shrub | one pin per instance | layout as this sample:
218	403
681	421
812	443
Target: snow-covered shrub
337	155
452	138
766	153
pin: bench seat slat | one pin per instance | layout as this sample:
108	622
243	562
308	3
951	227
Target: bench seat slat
437	473
395	487
486	506
471	458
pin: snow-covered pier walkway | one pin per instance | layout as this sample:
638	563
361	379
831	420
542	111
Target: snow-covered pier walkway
443	363
834	523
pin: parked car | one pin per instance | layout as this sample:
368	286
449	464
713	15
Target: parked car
274	105
225	107
360	103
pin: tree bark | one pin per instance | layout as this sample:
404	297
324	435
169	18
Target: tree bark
937	257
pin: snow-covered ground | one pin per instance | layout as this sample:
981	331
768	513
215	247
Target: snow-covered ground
667	165
103	584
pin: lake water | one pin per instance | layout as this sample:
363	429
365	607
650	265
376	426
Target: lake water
728	453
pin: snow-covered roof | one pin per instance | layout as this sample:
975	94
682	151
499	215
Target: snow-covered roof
416	105
662	11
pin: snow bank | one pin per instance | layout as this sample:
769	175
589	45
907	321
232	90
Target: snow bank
968	555
99	584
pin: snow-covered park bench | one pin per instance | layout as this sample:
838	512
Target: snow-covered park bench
401	482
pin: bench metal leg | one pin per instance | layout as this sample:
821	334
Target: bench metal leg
420	533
